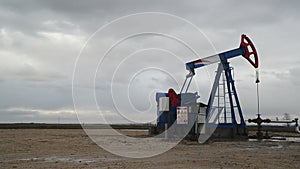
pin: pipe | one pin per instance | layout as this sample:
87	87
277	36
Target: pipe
297	129
282	121
296	125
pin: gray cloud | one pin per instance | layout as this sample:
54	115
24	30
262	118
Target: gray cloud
40	40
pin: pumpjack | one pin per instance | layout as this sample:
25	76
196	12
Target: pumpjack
184	108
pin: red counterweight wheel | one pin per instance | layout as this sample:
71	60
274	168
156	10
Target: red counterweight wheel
250	51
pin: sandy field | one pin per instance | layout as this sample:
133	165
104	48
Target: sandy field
72	148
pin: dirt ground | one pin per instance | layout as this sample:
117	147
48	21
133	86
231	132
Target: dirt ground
72	148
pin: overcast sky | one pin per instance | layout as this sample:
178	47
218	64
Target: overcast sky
41	40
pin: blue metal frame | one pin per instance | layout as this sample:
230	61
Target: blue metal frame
232	93
223	58
231	87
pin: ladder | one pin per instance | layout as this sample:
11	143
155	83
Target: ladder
224	99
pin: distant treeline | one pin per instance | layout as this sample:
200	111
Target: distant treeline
71	126
117	126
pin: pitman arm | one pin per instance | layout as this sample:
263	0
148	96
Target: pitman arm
246	49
